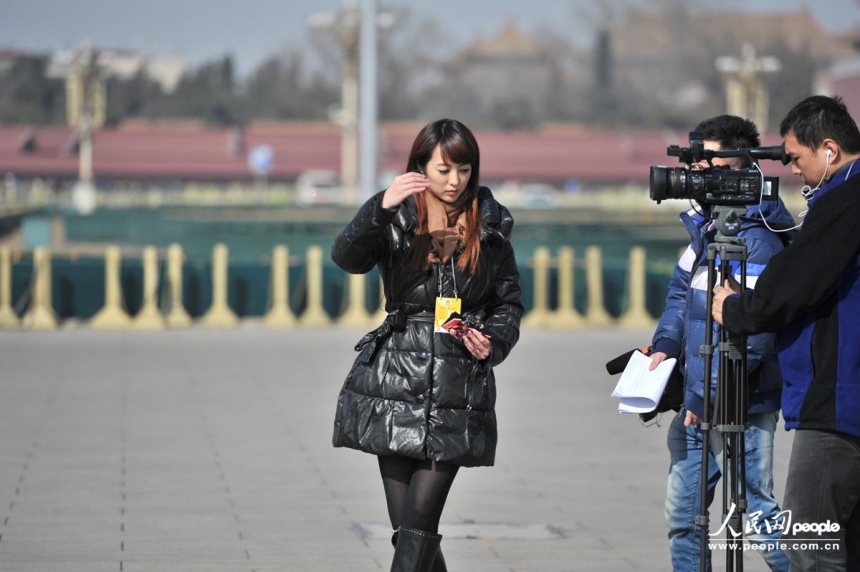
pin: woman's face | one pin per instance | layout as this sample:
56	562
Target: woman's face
447	180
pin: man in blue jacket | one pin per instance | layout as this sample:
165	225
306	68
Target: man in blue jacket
810	295
681	332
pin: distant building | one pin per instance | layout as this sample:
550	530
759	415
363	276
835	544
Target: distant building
842	79
86	70
851	38
188	152
508	74
663	55
166	71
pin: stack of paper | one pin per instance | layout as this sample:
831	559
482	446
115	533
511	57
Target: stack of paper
639	388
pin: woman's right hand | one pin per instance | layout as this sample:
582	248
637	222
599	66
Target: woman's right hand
404	186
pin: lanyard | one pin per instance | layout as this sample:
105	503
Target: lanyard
453	278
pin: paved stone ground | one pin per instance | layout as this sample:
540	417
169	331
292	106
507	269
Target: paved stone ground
210	451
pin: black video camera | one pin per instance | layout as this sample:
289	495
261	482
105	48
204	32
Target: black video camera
715	185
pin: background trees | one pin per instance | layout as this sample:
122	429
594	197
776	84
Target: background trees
28	96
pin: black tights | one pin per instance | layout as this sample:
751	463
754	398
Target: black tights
416	490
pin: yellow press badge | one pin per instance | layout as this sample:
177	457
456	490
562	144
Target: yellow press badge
444	308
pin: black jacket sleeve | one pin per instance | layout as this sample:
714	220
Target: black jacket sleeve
803	275
361	245
505	313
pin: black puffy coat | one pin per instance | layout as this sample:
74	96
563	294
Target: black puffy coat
411	391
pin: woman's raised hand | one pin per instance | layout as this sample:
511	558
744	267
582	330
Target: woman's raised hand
404	186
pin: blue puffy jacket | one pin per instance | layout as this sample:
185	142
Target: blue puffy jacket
681	330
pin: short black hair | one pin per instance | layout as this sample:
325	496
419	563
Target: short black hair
821	117
731	132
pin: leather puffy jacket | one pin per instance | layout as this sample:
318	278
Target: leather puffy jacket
411	391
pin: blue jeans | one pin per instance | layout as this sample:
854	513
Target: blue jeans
683	492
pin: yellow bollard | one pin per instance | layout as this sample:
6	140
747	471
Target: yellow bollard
149	317
220	315
566	317
379	316
540	314
314	315
280	315
8	319
356	314
595	314
177	316
41	314
636	316
112	316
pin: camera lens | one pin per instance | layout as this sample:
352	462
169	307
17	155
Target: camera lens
668	183
659	183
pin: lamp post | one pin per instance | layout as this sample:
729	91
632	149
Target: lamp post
349	25
345	26
746	94
85	110
369	98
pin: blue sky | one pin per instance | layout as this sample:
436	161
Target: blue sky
202	30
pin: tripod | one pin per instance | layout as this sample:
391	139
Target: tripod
731	409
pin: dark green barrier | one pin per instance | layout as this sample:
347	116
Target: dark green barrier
78	287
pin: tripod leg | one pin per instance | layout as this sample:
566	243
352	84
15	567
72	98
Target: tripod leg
707	352
732	387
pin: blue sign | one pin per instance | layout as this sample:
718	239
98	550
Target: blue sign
261	159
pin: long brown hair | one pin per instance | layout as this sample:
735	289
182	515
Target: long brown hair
457	145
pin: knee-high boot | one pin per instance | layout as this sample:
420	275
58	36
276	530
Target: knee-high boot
438	564
416	551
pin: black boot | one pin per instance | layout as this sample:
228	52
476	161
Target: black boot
438	564
415	550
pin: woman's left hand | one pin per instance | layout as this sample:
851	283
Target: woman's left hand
477	343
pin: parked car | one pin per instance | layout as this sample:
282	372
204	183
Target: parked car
538	196
318	187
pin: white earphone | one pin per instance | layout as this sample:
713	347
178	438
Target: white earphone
807	191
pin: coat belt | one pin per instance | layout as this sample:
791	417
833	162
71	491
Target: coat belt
394	322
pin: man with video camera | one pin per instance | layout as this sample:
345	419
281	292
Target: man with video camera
810	295
680	334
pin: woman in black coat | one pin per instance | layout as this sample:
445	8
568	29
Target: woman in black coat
420	398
